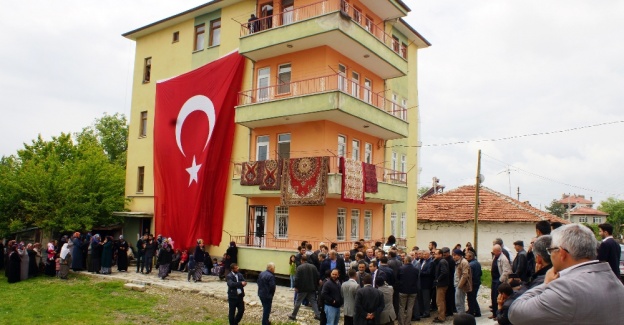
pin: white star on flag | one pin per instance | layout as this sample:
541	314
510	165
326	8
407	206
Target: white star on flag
193	170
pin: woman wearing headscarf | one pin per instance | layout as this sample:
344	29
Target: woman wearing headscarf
96	254
122	255
50	265
32	261
66	259
76	253
164	260
23	253
199	257
13	264
107	255
38	258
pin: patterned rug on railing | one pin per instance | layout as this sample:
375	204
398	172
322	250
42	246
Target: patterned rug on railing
352	180
304	181
272	175
252	173
370	178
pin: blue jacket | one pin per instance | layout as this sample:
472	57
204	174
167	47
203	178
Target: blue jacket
407	280
234	283
266	284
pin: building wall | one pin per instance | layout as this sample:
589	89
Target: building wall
450	234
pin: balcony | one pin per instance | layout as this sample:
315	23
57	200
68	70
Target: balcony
392	185
331	23
333	98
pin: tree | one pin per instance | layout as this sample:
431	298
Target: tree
422	190
556	208
111	131
615	209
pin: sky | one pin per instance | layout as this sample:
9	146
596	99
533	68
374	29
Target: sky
495	70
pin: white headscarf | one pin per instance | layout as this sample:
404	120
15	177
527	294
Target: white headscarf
65	251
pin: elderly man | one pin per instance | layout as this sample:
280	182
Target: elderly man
462	280
333	262
266	290
520	263
475	269
306	283
348	290
500	273
577	290
407	285
441	282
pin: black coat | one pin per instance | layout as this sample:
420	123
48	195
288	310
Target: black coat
307	278
609	251
368	300
234	282
266	284
520	265
441	275
388	274
340	265
13	268
331	293
407	282
165	256
426	275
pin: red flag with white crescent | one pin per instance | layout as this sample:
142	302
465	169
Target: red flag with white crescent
193	139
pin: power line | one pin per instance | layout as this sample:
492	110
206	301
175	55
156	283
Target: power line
510	137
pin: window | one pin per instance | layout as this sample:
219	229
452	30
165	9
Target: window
395	104
283	79
147	70
368	222
583	219
288	6
340	224
394	161
355	224
404	50
200	30
143	125
140	179
357	15
342	146
393	223
598	220
368	153
176	37
403	163
283	145
403	224
355	151
215	32
342	77
369	24
395	43
368	90
404	109
281	222
263	84
355	84
262	148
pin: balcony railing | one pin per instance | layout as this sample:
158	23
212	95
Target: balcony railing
270	240
319	85
384	175
320	8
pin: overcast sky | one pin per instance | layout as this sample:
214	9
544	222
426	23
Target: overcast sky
496	69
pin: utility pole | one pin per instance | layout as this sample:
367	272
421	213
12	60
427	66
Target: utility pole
476	211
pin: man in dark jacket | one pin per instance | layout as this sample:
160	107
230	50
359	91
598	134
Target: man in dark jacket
450	291
369	303
266	290
475	268
609	250
441	282
334	262
332	297
236	292
140	256
426	284
407	285
519	266
306	282
395	265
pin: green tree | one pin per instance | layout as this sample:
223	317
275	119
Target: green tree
556	208
615	208
422	190
111	131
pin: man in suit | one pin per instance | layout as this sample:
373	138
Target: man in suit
475	269
407	283
578	289
520	263
266	291
306	283
348	289
441	282
395	265
426	283
369	303
334	262
236	292
609	250
375	272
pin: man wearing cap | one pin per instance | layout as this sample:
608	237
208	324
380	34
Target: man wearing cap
462	280
519	266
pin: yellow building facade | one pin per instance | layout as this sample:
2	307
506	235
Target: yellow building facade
325	78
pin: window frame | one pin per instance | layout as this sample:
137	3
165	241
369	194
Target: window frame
262	143
355	149
393	223
355	84
143	124
286	90
140	179
342	77
355	224
213	29
368	90
147	70
280	141
342	146
368	152
263	93
368	224
200	37
341	217
175	37
280	214
403	225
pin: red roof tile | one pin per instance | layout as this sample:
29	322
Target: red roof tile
458	206
586	211
574	199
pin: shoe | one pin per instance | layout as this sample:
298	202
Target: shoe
492	317
448	314
317	317
437	320
291	317
476	315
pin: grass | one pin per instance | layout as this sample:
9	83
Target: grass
486	278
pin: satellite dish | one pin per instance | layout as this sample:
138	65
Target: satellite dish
481	178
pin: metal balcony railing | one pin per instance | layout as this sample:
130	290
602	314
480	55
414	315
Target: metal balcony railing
384	175
334	82
270	240
320	8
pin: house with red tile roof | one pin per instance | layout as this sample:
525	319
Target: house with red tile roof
581	210
448	219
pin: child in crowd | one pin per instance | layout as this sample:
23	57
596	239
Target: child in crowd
293	270
191	267
183	261
58	266
215	267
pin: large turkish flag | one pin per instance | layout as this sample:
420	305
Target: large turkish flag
193	138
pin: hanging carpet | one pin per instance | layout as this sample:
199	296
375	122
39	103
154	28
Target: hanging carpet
370	176
271	176
252	173
304	181
352	180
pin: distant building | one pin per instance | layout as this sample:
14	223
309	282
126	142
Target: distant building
580	210
448	219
